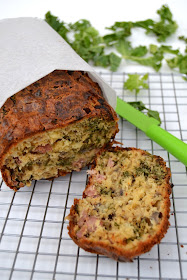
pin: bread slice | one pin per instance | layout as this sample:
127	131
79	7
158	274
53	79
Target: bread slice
125	206
52	127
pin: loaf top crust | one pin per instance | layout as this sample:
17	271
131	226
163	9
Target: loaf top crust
125	206
58	99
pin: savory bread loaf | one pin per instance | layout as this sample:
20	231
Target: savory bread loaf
125	206
52	127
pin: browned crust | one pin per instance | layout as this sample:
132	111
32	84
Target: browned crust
121	254
55	101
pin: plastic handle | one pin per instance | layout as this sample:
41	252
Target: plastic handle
172	144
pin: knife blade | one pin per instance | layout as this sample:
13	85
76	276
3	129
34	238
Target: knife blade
151	128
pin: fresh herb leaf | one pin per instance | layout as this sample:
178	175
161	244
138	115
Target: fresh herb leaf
154	61
183	38
168	49
80	25
115	61
146	24
173	62
153	48
166	26
111	39
162	29
111	60
139	105
60	26
165	13
124	47
183	64
87	41
180	62
136	82
162	49
92	47
154	114
139	51
102	60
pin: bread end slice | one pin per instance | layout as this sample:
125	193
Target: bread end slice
125	207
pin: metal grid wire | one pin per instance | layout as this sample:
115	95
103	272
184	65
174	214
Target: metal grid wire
34	239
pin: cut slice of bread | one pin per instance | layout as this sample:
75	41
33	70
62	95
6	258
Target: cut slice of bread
52	127
125	206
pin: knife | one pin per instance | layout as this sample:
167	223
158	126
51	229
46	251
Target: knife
151	128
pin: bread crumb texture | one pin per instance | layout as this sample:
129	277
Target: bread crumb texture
52	153
125	206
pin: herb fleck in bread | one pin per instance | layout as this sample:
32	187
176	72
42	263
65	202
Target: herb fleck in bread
125	206
52	127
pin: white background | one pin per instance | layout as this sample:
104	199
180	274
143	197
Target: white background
103	13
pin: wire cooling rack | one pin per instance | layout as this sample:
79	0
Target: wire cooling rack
34	239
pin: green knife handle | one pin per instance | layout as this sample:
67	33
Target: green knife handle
172	144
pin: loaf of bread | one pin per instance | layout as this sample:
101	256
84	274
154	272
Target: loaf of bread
52	127
125	206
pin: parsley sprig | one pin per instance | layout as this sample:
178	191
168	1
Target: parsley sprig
96	49
163	28
135	82
139	105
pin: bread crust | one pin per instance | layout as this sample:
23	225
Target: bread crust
122	254
57	100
